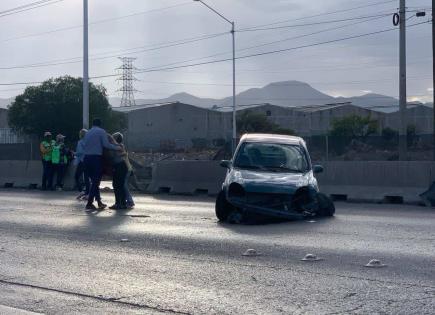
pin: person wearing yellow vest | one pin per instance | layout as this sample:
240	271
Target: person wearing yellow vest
46	147
59	160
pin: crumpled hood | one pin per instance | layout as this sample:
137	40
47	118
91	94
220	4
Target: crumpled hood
270	182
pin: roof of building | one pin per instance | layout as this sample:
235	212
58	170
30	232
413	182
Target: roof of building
128	109
305	109
317	108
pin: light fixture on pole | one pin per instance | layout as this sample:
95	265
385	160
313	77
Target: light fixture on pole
234	140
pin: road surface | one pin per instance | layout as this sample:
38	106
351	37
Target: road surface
170	255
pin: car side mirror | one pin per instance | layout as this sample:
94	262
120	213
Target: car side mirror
318	169
225	163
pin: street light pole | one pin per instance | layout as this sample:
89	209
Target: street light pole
402	84
85	66
233	33
234	142
433	77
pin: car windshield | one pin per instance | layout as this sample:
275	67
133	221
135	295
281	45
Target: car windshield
272	157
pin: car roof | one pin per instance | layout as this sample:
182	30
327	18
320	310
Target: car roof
273	138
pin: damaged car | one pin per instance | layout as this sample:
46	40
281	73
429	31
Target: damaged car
271	176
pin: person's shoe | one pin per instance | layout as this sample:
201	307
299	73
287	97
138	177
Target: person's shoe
122	207
85	197
101	206
90	207
80	196
114	207
130	206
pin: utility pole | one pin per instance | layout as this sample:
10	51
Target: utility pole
233	32
433	77
402	84
85	66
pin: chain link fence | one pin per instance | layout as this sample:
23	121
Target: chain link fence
369	148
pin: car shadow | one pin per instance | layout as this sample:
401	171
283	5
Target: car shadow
271	226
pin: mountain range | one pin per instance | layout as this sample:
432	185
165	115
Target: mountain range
285	93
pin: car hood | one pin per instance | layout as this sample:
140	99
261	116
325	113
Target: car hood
270	182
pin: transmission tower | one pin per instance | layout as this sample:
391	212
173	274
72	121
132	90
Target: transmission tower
127	78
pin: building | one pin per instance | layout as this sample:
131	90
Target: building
312	120
178	125
419	116
174	125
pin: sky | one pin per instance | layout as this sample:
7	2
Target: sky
47	42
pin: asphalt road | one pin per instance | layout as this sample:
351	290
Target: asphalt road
170	255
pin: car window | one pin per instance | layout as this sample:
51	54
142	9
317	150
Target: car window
271	156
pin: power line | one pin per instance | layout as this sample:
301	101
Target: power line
28	7
323	14
93	23
121	53
284	83
256	46
244	57
314	23
181	42
265	53
178	43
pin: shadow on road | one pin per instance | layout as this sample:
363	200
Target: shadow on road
271	226
105	222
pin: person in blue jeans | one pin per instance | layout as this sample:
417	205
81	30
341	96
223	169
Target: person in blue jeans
80	176
94	142
122	170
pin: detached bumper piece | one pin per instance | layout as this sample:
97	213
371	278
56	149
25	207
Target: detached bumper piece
281	206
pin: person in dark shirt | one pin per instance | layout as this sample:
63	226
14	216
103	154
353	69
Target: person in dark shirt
94	142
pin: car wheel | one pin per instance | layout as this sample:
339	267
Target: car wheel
223	207
326	206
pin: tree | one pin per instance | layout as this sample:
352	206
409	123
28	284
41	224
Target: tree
56	106
250	121
354	126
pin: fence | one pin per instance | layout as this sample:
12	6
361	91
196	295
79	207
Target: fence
7	136
369	148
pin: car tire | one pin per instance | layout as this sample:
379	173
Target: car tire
223	208
326	206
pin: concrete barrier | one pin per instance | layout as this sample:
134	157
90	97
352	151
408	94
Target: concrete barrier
395	181
354	180
187	177
25	174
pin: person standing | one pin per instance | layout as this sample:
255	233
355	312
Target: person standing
46	147
80	176
59	159
94	142
119	173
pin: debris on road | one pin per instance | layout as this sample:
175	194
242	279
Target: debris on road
311	257
375	263
251	252
125	240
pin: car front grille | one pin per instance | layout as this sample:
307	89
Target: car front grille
271	201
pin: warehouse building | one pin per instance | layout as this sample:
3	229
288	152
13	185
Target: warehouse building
174	126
